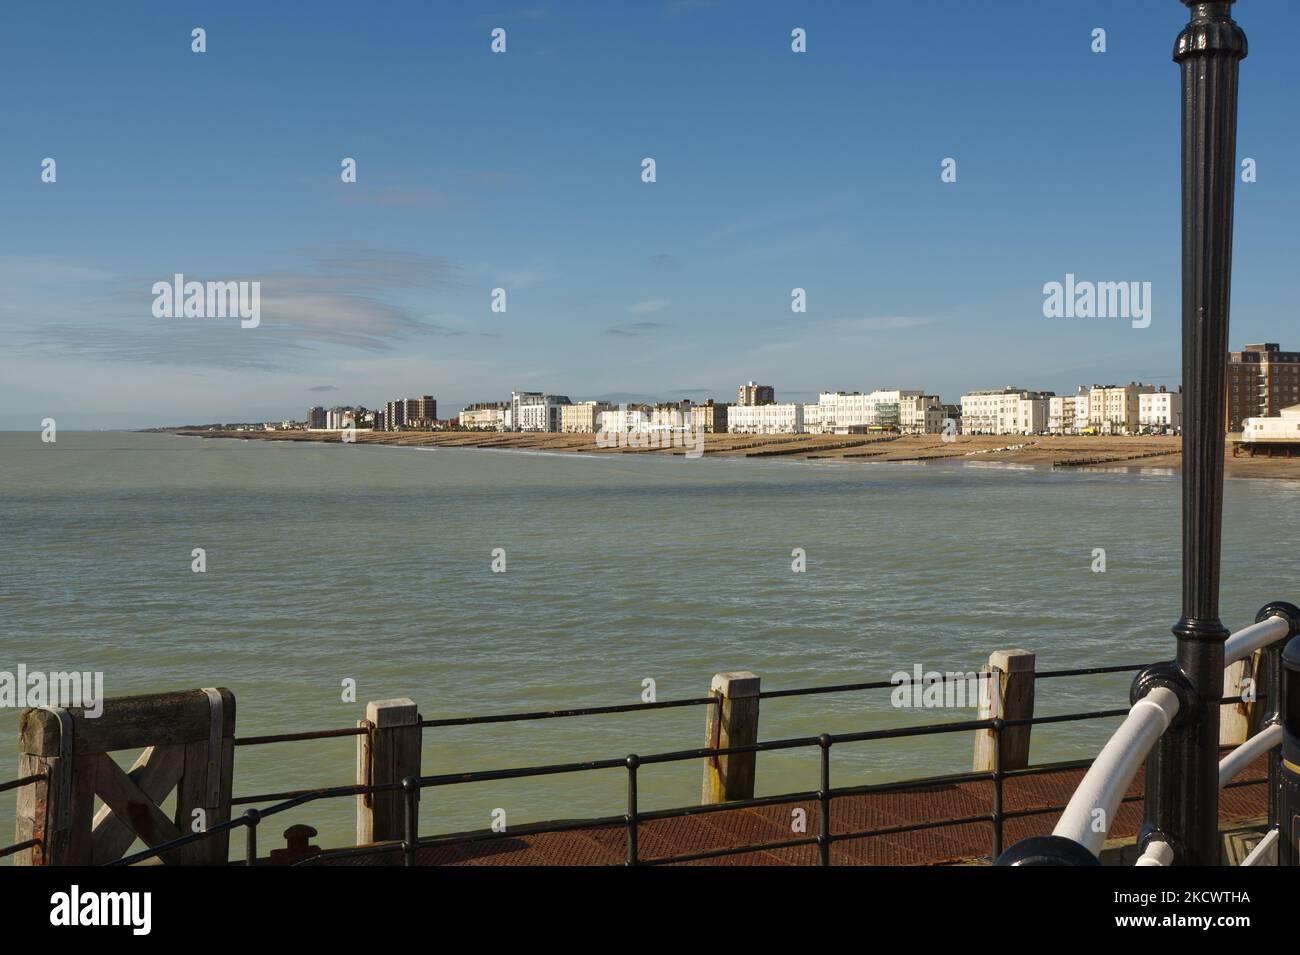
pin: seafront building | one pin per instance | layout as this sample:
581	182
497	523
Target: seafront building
1161	411
1115	409
670	416
765	419
750	394
336	419
813	423
401	413
710	417
1261	381
1061	413
624	418
484	416
534	411
316	418
1007	410
582	417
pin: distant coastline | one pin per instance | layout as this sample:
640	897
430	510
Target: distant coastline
1058	452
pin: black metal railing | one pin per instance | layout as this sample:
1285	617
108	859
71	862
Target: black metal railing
634	817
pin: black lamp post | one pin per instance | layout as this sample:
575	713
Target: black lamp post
1182	801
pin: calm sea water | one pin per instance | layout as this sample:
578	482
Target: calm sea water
328	563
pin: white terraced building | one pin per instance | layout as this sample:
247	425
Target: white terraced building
1161	409
911	411
625	418
1004	411
1068	414
765	419
534	411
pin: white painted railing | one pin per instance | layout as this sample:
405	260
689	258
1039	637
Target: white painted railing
1157	853
1249	639
1248	752
1091	811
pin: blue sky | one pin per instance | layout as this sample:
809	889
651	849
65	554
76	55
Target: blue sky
522	170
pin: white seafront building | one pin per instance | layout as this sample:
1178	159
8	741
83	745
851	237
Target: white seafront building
1068	414
1005	411
911	411
1161	410
534	411
765	419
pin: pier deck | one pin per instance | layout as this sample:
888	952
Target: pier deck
949	844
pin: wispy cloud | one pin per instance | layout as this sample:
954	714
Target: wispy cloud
635	329
649	306
340	300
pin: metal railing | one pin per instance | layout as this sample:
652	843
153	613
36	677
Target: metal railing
1160	699
635	818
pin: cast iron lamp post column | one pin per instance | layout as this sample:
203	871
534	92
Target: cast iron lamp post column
1182	803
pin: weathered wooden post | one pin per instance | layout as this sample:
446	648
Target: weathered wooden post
1010	686
387	753
1237	721
732	722
188	741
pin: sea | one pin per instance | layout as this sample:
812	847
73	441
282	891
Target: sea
479	582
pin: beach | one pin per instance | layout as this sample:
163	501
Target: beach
1056	451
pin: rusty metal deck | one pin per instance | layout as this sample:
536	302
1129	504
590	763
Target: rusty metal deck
732	828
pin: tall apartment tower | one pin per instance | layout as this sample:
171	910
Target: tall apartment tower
1262	380
750	394
394	415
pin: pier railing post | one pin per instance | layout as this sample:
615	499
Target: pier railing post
387	753
733	721
1010	696
187	740
1182	798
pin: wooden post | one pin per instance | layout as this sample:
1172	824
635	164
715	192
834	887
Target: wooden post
388	753
1234	718
1241	720
732	722
1010	695
71	750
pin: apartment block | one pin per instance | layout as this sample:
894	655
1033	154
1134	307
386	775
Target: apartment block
534	411
1261	381
750	394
